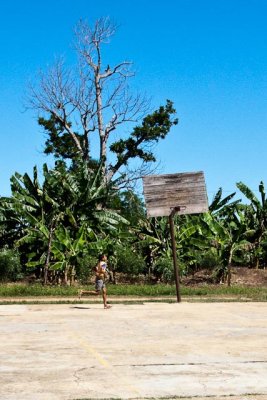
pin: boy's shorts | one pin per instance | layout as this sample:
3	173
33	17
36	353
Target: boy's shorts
99	285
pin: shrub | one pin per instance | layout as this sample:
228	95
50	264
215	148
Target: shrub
84	269
10	267
209	260
129	262
163	269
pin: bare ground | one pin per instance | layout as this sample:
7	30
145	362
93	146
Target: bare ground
152	351
240	276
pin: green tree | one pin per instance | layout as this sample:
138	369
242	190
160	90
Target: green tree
94	99
130	206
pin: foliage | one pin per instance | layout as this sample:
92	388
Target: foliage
129	205
164	270
60	218
209	259
84	268
154	127
256	218
130	262
10	267
80	219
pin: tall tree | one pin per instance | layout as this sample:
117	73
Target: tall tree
95	99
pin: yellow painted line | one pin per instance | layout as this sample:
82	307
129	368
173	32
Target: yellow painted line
101	360
90	350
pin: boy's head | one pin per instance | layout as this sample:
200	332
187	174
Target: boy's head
102	257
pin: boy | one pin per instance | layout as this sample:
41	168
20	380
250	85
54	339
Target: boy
101	273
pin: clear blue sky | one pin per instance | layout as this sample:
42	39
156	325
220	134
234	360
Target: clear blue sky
209	57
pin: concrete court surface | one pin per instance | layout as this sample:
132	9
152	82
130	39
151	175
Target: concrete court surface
154	350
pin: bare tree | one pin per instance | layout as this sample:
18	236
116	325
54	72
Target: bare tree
93	99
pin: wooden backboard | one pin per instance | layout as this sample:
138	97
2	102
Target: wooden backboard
165	192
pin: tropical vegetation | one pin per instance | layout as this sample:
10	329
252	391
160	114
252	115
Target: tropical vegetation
54	224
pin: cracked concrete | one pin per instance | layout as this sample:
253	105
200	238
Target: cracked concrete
187	350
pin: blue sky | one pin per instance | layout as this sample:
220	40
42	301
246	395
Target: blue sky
209	57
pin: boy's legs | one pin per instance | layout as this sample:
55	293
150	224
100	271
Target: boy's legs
99	287
104	295
88	292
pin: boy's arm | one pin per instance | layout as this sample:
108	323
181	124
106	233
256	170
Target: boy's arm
100	272
95	270
106	272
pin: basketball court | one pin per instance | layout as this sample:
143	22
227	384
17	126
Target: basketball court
151	350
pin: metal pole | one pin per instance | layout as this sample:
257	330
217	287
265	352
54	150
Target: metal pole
176	272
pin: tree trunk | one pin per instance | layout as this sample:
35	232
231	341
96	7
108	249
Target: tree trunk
72	275
66	273
101	131
229	268
48	255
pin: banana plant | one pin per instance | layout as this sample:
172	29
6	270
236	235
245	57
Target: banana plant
221	206
154	238
66	250
228	235
256	217
66	201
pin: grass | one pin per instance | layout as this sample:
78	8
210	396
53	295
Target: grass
150	291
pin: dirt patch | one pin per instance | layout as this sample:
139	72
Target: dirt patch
249	276
240	276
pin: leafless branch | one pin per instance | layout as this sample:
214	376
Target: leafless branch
131	177
93	98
